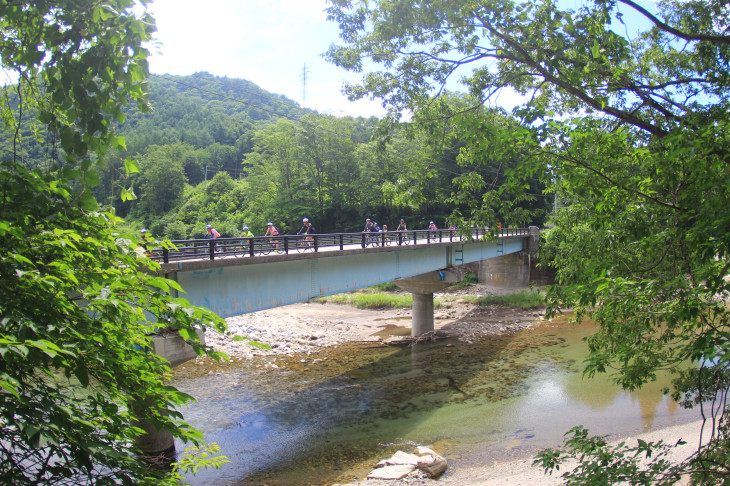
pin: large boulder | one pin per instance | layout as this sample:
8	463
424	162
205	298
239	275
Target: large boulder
401	464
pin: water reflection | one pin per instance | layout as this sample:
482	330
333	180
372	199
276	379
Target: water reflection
328	417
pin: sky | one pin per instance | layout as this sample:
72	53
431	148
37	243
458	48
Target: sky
268	42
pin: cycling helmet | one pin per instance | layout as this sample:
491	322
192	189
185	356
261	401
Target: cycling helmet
430	222
367	219
143	230
208	227
245	228
305	220
402	221
269	224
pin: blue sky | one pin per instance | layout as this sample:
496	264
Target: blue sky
267	42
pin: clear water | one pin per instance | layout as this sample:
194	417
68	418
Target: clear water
327	418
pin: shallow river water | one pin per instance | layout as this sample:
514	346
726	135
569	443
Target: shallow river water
328	417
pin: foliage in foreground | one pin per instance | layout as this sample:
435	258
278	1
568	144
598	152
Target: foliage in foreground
646	463
77	304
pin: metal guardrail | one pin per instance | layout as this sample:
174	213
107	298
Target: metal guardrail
284	244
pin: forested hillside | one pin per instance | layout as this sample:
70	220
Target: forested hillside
225	152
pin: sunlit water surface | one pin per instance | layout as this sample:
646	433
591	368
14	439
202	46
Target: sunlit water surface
327	418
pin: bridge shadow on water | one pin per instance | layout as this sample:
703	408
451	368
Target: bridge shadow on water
330	416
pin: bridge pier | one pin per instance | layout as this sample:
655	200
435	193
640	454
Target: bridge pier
422	287
158	445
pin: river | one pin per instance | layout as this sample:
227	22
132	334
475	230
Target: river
328	417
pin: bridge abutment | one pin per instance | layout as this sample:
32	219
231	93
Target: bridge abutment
422	287
511	270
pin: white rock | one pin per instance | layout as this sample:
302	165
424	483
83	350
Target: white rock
396	471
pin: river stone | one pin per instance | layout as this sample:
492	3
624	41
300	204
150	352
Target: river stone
400	457
395	471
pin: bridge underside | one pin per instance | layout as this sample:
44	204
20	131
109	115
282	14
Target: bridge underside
248	285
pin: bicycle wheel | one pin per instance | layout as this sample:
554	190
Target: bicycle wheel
261	247
303	245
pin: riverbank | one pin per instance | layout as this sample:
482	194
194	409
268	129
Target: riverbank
307	328
520	472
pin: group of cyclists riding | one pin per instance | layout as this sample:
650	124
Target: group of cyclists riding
373	234
307	229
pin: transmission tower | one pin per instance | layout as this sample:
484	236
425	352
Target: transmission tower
303	77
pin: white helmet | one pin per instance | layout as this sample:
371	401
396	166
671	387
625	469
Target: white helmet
269	224
143	230
208	226
305	220
245	228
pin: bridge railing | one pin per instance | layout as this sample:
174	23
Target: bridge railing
219	248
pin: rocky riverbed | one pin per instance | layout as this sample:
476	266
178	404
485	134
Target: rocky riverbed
307	328
304	328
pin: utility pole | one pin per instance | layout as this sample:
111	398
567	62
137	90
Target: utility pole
303	77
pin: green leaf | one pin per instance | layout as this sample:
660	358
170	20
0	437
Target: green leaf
91	178
82	374
87	202
128	194
131	166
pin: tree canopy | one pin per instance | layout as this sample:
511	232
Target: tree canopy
623	112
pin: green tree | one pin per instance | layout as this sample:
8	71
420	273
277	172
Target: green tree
162	179
625	110
77	306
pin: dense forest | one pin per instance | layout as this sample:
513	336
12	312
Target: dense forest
225	152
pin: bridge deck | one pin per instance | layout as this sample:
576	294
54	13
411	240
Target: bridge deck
232	285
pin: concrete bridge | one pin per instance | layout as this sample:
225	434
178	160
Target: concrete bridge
234	276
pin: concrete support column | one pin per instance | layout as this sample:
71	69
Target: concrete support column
422	287
160	443
422	312
154	442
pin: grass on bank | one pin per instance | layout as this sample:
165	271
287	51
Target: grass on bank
388	296
374	300
524	299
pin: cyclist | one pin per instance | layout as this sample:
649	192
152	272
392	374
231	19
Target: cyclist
246	233
271	230
402	228
307	229
211	233
143	244
432	226
369	228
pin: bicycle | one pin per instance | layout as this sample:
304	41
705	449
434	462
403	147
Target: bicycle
305	244
371	239
262	247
